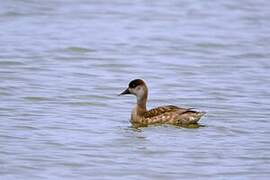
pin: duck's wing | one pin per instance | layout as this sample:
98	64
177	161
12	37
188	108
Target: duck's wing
173	115
164	109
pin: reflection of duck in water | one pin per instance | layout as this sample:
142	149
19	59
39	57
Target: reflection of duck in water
161	115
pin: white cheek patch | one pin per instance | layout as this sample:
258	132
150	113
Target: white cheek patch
132	91
140	93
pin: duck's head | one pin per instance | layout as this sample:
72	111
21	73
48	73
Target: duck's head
136	87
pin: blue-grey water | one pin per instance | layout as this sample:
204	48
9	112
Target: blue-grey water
63	62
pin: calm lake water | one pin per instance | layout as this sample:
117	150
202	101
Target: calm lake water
63	62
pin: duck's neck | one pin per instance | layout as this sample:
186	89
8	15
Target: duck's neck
141	103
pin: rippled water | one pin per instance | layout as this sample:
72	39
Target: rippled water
62	64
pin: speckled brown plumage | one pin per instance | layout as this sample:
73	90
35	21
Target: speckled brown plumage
161	115
172	115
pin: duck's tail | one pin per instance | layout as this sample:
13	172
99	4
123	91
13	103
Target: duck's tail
192	117
198	115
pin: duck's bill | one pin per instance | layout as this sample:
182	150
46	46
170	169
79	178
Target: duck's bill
125	92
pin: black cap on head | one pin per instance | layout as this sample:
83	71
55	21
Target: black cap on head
136	82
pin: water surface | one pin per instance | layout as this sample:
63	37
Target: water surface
62	64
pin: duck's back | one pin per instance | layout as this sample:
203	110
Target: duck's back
172	115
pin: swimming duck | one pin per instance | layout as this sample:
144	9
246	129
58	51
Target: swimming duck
169	114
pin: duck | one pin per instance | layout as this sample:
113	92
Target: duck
168	114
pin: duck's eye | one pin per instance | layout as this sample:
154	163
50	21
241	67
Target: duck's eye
133	85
